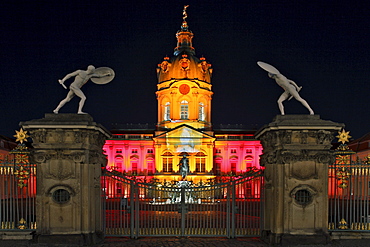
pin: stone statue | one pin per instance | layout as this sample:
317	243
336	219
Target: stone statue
291	89
184	166
81	77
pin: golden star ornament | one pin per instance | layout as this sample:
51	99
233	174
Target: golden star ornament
21	136
343	136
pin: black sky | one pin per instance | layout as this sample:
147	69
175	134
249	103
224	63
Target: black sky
323	46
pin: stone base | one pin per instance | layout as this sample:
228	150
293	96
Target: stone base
290	239
16	235
71	239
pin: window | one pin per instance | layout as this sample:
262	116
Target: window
134	150
167	162
233	150
167	111
233	167
119	188
184	110
150	168
217	167
150	151
134	167
218	151
200	162
118	150
248	151
202	115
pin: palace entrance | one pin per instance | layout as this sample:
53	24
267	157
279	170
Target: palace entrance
226	209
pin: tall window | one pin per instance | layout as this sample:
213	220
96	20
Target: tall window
233	167
184	110
167	110
200	162
167	162
134	167
150	168
217	167
202	115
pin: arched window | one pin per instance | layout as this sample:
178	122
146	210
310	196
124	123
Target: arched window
167	111
184	109
249	161
167	159
201	114
118	161
134	164
217	166
200	162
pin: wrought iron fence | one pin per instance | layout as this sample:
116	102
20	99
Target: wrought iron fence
135	209
17	191
349	195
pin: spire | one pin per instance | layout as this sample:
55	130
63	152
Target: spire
184	26
184	37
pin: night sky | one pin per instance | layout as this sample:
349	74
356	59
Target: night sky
322	46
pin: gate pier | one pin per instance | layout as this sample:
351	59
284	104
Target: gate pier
68	154
296	156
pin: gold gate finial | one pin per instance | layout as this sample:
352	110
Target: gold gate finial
21	136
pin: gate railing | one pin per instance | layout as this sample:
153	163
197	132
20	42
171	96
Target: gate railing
17	191
134	209
349	195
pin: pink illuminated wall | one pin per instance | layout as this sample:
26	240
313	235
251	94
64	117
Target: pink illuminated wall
134	157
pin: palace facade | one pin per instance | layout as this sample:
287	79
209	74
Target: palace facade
184	97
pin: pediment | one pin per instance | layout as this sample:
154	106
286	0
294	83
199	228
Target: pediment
184	139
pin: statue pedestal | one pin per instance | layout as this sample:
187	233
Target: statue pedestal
68	153
296	155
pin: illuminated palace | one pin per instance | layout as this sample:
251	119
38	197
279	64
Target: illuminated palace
184	95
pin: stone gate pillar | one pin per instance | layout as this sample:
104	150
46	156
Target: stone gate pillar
68	153
296	155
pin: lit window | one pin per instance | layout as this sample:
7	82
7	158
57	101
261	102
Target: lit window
233	167
202	115
134	167
217	167
134	151
150	168
119	188
167	110
184	110
167	162
200	162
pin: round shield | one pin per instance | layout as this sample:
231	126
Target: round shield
269	68
105	75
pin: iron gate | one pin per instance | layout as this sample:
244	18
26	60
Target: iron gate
17	191
134	209
349	195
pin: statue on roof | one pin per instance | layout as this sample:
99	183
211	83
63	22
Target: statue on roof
291	89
